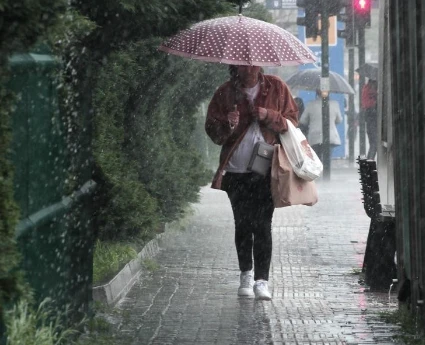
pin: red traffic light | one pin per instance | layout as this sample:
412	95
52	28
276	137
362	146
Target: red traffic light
361	12
362	5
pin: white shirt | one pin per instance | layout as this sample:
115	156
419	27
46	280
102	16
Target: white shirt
239	161
251	93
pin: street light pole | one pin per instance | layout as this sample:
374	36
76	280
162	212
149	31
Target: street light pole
324	87
351	110
362	120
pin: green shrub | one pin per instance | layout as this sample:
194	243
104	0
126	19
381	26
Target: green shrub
125	208
146	111
24	22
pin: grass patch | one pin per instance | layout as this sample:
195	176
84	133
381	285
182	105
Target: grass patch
44	326
150	265
101	307
356	271
411	332
97	340
41	326
109	259
100	330
98	324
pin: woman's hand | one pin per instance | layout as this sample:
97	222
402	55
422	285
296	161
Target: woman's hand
259	113
233	118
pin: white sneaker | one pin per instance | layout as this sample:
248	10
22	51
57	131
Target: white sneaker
261	290
245	289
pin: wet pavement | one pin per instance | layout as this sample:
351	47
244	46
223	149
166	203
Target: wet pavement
191	296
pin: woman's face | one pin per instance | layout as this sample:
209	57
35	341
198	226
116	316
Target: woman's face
248	75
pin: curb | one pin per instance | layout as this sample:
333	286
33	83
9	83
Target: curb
121	284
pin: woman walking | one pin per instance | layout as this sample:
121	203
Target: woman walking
250	107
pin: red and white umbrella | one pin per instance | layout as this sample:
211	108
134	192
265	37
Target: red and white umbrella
239	40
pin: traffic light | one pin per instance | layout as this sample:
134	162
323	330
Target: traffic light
311	17
335	6
347	17
361	10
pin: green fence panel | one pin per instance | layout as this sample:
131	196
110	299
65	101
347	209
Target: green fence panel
54	234
37	118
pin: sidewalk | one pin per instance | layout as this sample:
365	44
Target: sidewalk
192	297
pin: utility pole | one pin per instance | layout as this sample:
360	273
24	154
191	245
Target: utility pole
348	33
362	9
324	87
351	109
356	18
362	121
325	8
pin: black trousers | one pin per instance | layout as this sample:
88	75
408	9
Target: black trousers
371	118
253	208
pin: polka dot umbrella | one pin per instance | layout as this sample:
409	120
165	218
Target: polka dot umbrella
239	40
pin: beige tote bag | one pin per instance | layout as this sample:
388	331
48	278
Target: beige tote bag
287	188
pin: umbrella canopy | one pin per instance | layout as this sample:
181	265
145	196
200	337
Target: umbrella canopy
369	70
309	79
239	40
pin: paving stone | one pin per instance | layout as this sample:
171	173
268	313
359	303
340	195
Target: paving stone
192	297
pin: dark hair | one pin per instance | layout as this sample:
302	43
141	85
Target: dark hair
233	71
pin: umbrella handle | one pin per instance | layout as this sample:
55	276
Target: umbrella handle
235	108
